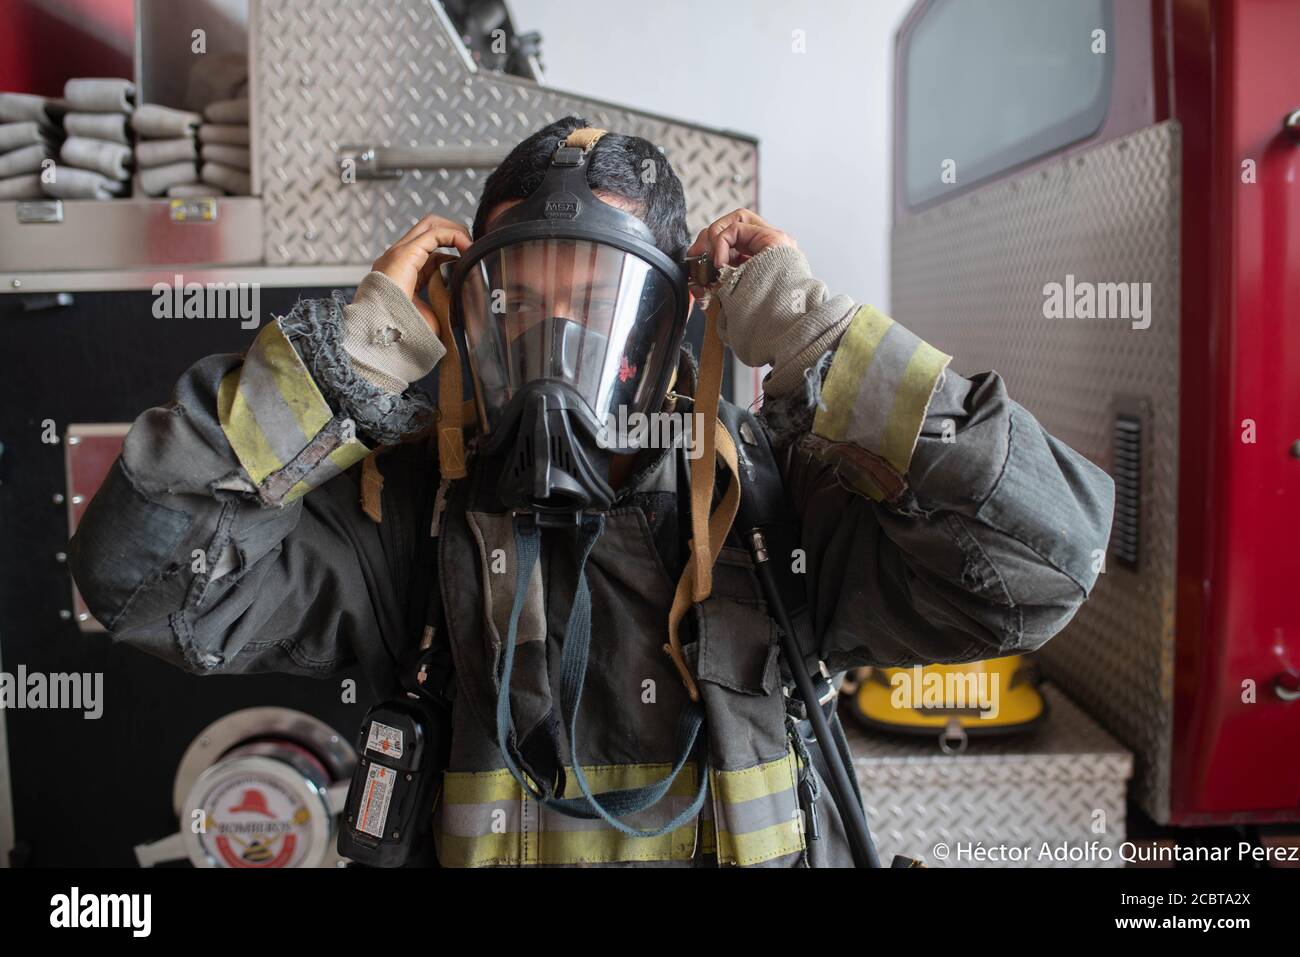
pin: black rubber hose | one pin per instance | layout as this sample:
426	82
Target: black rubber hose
842	789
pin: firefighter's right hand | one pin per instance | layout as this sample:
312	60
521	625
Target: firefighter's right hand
390	333
410	261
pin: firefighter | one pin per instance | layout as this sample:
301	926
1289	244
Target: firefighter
607	664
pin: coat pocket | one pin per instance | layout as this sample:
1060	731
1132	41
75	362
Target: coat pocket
753	771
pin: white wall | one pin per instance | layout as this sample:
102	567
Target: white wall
822	116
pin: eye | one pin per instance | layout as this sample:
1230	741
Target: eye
523	303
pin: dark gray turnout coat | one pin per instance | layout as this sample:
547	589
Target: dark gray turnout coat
940	523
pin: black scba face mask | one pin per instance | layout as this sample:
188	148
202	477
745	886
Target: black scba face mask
571	314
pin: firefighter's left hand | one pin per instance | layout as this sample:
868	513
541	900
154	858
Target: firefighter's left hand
772	311
737	237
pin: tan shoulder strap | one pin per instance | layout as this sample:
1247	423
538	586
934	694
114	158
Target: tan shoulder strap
719	524
372	486
708	531
452	409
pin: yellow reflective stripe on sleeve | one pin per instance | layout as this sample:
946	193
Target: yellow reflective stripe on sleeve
910	402
849	365
293	383
878	387
243	432
270	409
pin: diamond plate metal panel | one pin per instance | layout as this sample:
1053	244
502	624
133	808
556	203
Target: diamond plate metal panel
968	275
1044	786
329	73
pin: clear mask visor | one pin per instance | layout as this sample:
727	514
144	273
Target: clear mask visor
590	315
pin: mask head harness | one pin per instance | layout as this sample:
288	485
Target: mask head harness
572	315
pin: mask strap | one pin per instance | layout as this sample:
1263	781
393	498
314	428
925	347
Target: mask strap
585	138
451	408
708	532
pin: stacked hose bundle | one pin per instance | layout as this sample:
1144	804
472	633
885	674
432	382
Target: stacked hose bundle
167	151
96	159
225	146
29	135
91	143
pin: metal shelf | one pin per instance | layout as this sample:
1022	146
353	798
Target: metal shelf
130	233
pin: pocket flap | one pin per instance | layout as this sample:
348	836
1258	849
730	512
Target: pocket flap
737	646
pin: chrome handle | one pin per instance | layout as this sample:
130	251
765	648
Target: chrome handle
170	848
393	162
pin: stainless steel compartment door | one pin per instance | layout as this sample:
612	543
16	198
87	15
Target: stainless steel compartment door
331	76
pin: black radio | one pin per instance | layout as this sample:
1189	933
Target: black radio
387	820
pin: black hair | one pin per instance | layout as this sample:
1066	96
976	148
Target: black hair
615	165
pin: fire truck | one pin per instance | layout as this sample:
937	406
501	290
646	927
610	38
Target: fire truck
1153	143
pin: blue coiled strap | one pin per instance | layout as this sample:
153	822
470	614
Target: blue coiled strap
612	805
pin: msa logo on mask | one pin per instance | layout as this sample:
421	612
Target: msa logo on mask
562	206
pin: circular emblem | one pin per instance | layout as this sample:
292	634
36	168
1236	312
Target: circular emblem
256	812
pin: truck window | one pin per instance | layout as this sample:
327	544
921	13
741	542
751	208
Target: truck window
991	84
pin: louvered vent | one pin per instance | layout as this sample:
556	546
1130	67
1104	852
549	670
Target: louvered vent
522	462
1126	536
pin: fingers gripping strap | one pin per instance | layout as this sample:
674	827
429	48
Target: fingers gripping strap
451	412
